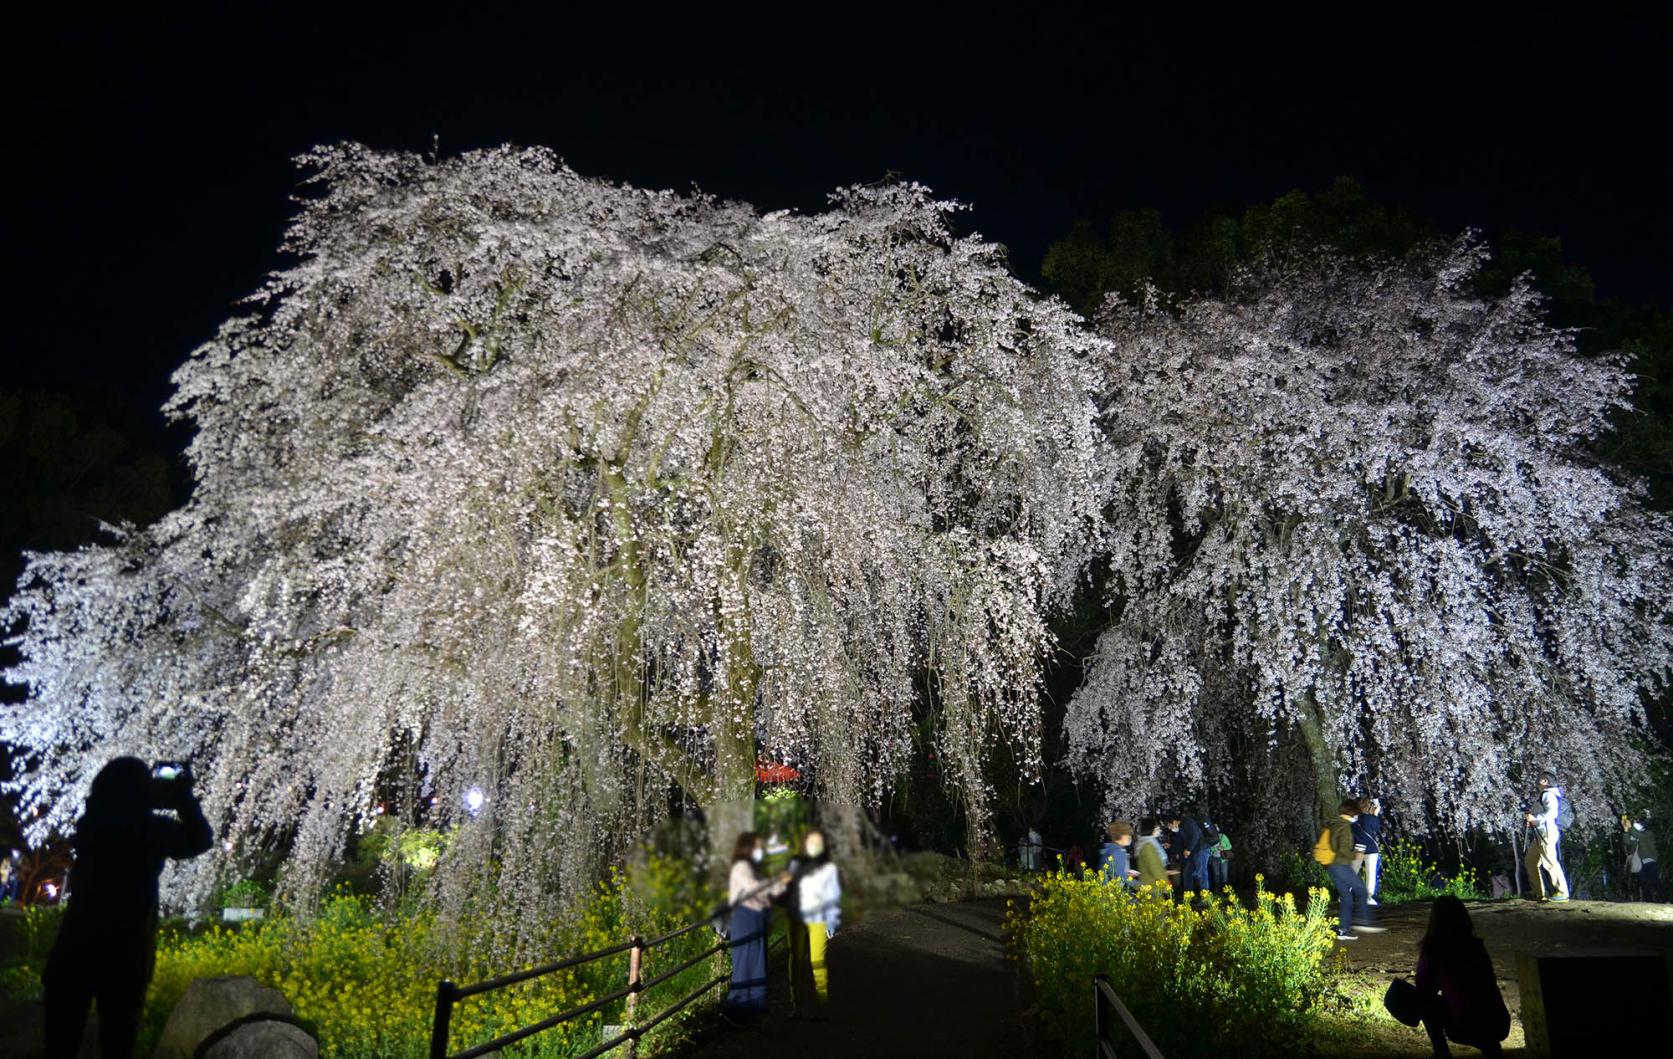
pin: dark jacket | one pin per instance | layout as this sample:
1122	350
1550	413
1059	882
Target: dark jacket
110	925
1367	830
1463	976
1191	835
1341	840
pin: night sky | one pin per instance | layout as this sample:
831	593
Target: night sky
154	150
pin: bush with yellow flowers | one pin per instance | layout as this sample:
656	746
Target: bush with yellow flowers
1407	874
364	980
1250	979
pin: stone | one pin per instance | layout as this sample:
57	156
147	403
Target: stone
209	1005
264	1039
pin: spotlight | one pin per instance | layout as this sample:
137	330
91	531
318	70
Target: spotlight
474	799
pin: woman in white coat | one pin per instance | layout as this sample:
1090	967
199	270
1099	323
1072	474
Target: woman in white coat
815	912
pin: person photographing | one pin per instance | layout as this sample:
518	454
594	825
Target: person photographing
107	946
1544	833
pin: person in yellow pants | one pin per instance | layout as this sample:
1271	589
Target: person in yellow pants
815	912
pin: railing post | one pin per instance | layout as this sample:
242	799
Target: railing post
445	996
1100	1018
635	961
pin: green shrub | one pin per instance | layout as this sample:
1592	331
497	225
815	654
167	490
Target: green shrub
1299	871
1405	874
1249	980
245	893
364	981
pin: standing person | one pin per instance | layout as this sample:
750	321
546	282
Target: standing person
1028	850
107	946
1112	855
1350	889
1368	830
815	914
1458	995
5	879
1218	854
1152	862
751	897
1542	843
1193	851
1641	846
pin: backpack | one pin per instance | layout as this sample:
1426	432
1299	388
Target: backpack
1565	814
1323	852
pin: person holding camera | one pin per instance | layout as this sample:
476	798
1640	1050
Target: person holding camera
107	945
1542	843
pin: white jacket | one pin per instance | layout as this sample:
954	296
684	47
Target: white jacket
819	896
1545	821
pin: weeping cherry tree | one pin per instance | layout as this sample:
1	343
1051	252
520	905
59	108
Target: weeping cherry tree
587	497
1360	537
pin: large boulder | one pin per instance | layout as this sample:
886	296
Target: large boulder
211	1004
264	1039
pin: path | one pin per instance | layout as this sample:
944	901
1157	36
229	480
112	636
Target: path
922	980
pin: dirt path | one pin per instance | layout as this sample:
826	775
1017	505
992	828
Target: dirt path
923	980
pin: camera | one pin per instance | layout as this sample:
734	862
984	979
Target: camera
170	781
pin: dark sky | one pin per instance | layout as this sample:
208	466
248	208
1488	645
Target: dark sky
154	150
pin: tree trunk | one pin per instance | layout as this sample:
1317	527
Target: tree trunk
729	806
1321	754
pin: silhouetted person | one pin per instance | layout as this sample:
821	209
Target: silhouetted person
107	945
1459	994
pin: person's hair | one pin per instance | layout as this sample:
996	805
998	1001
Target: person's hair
1149	824
745	846
1449	924
1349	807
1369	805
1548	779
119	793
1120	829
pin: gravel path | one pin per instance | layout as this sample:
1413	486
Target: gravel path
923	980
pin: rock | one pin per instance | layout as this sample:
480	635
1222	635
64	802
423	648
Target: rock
210	1004
264	1039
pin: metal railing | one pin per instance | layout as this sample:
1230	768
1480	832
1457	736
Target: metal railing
448	994
1104	1001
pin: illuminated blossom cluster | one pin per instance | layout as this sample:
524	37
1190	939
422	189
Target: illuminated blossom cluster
585	496
1356	519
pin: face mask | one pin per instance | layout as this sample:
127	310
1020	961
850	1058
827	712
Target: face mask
756	854
815	849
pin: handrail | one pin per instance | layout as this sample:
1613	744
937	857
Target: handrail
1102	994
448	994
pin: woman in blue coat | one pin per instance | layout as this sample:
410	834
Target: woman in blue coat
750	895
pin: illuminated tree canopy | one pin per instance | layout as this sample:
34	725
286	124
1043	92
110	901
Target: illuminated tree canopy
1356	515
584	495
590	497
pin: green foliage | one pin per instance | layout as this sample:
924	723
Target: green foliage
1249	980
244	893
364	981
1138	249
25	942
1299	871
1405	874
